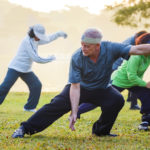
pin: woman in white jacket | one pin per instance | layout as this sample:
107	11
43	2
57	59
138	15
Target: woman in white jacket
21	65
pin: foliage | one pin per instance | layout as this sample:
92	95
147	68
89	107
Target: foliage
132	13
59	137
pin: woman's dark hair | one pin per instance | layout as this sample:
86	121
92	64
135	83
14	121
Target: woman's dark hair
140	33
143	39
31	33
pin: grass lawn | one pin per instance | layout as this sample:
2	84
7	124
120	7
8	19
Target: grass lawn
59	137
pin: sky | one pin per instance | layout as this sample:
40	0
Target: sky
92	6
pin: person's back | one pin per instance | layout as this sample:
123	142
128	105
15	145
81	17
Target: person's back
124	78
22	61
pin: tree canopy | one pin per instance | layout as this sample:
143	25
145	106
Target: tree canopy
131	13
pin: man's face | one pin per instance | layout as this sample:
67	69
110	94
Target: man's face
88	49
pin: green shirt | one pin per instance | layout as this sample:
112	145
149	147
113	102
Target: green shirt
131	72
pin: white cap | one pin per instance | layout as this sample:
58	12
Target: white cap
39	32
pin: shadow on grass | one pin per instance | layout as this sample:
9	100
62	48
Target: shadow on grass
74	138
45	137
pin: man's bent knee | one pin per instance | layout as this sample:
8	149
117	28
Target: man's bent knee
119	101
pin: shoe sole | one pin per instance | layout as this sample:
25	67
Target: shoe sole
143	128
17	137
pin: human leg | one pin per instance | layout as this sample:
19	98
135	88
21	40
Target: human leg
85	107
8	82
34	86
134	104
111	102
129	97
49	113
143	94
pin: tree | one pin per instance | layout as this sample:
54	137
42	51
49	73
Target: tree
131	13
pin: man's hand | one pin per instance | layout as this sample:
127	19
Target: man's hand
72	119
148	85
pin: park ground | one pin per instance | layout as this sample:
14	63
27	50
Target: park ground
59	137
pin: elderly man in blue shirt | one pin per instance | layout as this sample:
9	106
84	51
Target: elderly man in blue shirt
85	107
89	76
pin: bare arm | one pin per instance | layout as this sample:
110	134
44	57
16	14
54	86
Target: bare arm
143	49
74	98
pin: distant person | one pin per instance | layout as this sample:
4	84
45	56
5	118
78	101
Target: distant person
89	76
131	96
129	76
85	107
21	65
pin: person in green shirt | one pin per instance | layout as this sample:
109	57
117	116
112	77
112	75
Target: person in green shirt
129	76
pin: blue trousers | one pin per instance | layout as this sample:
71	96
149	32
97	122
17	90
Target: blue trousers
30	79
110	100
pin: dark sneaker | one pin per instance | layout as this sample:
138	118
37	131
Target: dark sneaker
19	133
112	135
30	110
135	107
146	117
143	126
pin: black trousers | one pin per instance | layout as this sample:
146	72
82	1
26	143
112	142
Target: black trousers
143	94
132	98
110	101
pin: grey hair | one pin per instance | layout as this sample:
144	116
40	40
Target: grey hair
92	35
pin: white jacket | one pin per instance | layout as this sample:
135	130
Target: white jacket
27	53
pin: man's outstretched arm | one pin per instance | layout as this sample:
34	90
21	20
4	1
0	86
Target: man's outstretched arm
143	49
74	99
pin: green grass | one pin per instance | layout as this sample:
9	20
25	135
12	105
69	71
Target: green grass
58	136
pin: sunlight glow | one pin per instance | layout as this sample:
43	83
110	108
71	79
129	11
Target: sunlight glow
92	6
